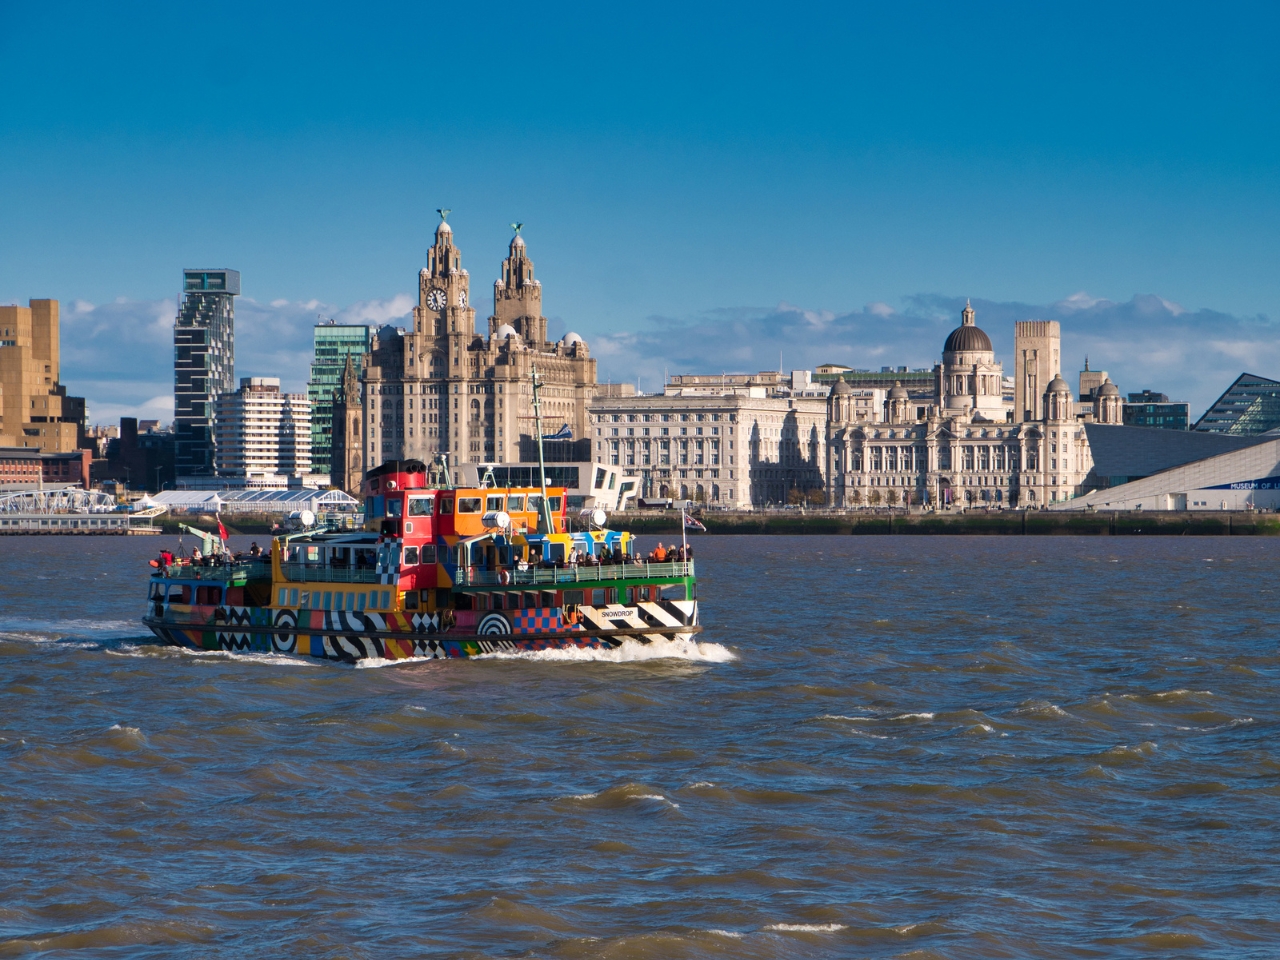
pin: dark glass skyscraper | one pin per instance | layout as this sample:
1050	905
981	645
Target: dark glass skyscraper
204	362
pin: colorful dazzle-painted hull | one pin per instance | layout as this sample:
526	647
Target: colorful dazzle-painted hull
349	636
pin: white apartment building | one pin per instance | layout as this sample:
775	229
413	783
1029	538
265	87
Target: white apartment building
732	445
262	434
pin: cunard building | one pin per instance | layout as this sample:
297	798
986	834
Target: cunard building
446	388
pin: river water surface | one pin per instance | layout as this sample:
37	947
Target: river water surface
882	747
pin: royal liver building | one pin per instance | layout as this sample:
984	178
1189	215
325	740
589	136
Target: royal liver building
967	444
445	388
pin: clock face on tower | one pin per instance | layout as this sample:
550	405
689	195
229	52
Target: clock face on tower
435	299
462	298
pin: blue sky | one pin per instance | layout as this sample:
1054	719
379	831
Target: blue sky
692	177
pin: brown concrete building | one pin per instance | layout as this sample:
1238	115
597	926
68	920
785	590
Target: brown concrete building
445	388
25	468
35	411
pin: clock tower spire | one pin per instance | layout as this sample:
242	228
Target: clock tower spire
444	288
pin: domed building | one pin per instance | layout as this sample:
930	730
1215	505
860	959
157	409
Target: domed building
964	447
1107	405
970	379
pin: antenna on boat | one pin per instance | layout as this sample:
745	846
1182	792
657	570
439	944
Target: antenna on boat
441	470
544	515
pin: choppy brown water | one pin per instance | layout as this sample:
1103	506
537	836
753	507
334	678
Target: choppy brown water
887	747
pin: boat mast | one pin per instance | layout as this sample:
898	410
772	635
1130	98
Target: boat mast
544	515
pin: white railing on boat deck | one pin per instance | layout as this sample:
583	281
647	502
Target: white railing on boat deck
477	577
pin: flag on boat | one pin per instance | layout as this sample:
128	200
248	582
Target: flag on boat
222	532
693	523
564	433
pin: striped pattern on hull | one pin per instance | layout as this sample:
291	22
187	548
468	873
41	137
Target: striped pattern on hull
351	647
349	637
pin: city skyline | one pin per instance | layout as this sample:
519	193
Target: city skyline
1145	343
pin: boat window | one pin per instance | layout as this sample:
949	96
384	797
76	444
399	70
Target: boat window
535	502
428	553
493	504
572	598
157	591
179	593
673	591
386	599
597	598
499	601
422	506
555	504
337	601
411	600
293	597
373	599
446	506
515	503
410	556
557	552
365	557
313	554
304	599
394	507
208	596
328	599
468	504
548	599
359	601
284	597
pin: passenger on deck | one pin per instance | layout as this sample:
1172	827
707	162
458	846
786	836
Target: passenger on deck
195	555
659	553
255	550
573	556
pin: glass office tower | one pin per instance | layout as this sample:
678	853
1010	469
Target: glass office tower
334	342
204	364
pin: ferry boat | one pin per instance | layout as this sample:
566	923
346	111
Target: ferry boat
437	572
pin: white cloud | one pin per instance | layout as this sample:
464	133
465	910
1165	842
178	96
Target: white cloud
1145	343
1078	301
119	355
378	312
